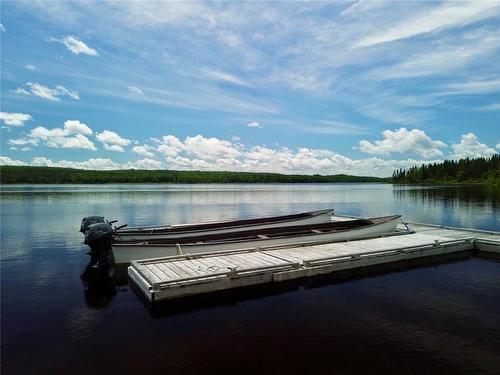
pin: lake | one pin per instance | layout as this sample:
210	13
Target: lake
440	318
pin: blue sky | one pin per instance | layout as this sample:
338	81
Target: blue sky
358	87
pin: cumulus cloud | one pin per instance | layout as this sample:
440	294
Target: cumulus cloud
76	127
470	147
98	163
23	142
254	124
143	164
14	119
2	27
210	148
73	135
135	90
76	46
402	140
169	145
30	67
201	153
95	164
44	92
146	150
112	141
5	160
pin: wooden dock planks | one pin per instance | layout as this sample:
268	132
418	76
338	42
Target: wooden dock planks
181	276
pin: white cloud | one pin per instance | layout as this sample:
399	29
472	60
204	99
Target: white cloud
144	150
470	147
76	141
97	164
30	67
254	124
14	119
5	160
489	107
498	146
271	45
199	146
442	57
21	91
135	90
44	92
230	39
223	155
25	148
449	15
153	13
472	87
76	127
254	159
226	77
169	145
144	164
327	127
61	90
71	136
75	45
210	148
112	141
2	27
23	142
401	140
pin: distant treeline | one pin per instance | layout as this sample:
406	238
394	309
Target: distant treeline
485	170
52	175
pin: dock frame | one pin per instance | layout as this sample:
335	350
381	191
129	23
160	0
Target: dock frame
187	275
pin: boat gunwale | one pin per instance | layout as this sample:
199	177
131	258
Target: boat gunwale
223	224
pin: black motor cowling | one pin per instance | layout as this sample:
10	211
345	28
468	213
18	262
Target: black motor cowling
98	232
89	220
98	236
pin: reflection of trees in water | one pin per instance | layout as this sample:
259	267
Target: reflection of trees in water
470	195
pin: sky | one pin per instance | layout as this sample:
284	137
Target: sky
355	87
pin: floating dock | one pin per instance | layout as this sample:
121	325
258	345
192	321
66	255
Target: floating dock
188	275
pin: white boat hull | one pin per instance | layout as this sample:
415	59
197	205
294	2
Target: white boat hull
321	218
124	253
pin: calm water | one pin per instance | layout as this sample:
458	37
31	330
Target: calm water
443	318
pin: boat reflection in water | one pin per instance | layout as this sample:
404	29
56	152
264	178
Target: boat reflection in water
99	285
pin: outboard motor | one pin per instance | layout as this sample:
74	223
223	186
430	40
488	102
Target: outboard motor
89	220
98	236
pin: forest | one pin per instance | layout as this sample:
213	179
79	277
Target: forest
476	170
53	175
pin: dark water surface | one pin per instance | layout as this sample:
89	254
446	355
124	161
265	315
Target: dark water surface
443	318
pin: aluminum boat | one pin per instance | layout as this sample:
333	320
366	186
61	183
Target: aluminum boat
256	238
214	228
